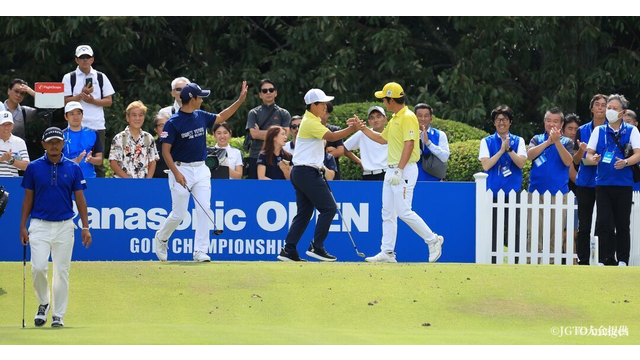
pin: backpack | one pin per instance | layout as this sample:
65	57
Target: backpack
73	78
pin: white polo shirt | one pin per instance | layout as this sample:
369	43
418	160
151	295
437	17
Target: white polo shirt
14	144
93	115
372	154
234	157
310	142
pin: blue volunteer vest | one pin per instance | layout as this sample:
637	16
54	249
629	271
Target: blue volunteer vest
433	135
553	175
607	174
496	180
586	173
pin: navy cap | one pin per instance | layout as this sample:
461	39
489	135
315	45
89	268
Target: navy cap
52	133
192	91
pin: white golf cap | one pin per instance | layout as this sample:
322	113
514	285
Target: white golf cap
84	50
376	108
316	95
5	117
72	105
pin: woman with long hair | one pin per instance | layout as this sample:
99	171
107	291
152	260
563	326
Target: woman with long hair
273	162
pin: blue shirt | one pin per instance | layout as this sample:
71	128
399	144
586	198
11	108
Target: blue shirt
53	186
75	142
548	172
433	135
187	135
497	180
586	173
607	174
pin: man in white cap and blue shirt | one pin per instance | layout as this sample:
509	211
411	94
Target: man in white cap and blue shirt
92	89
50	183
312	191
184	148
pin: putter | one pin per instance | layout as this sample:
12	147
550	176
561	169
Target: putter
24	281
215	231
342	217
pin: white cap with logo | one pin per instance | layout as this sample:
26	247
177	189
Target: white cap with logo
316	95
84	50
5	117
72	105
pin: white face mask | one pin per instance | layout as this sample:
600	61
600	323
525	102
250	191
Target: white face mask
612	115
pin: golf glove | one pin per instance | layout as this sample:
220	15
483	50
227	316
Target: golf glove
396	178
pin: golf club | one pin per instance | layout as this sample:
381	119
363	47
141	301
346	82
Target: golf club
24	280
215	231
342	217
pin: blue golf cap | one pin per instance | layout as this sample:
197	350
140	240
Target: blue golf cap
191	91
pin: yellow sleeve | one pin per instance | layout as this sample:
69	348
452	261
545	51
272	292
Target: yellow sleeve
410	129
385	132
312	130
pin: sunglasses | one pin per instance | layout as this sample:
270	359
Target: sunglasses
160	125
85	57
264	91
293	127
178	89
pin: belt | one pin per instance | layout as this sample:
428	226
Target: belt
191	164
393	166
53	221
373	172
311	166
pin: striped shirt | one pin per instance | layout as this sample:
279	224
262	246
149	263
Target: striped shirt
16	145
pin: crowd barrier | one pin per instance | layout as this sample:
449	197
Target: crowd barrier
255	215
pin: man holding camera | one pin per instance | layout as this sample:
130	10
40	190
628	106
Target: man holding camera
92	89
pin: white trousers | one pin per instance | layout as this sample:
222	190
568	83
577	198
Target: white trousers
55	239
396	202
199	181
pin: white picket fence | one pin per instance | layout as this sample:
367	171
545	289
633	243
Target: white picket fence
529	236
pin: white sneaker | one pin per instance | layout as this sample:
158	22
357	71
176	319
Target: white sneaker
622	263
435	248
56	321
161	248
382	257
199	256
600	264
41	315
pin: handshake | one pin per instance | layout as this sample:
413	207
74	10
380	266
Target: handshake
356	123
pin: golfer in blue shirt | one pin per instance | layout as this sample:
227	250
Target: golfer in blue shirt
50	183
184	148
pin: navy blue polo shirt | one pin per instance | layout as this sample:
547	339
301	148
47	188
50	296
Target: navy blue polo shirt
53	186
187	135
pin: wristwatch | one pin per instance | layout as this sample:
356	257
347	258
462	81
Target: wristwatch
626	163
509	149
13	159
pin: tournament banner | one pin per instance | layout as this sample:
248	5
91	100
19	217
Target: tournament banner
124	215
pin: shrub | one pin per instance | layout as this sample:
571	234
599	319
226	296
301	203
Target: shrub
463	162
457	131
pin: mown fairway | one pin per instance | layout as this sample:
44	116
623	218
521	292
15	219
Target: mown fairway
318	303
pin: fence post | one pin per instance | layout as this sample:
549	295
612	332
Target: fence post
634	251
483	223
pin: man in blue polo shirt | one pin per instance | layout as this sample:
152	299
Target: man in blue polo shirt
50	183
551	154
184	148
586	178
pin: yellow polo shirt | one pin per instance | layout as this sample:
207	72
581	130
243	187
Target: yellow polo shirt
402	127
310	142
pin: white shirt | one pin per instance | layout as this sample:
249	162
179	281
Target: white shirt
484	149
287	147
372	154
93	115
16	145
234	157
595	135
171	109
2	108
441	151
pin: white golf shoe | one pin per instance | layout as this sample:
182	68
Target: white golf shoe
199	256
435	248
41	315
622	263
162	248
56	321
382	257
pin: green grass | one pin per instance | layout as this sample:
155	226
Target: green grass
317	303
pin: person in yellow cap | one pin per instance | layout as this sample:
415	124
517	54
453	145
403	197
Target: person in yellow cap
402	133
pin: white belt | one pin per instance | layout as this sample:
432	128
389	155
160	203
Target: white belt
191	164
373	172
393	166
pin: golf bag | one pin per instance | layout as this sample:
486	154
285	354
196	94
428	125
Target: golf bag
4	199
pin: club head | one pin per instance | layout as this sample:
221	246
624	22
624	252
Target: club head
217	231
361	254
